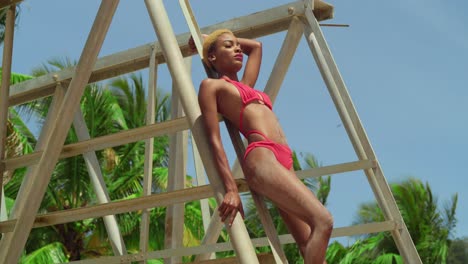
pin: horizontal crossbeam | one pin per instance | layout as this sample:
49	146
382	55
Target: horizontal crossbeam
165	199
257	242
251	26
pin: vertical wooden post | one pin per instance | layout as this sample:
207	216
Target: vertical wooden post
13	243
5	91
176	177
149	150
238	233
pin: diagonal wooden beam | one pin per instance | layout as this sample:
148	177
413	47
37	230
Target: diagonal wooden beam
250	26
13	243
182	79
99	186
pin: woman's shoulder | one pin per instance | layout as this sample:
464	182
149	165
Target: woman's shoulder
210	83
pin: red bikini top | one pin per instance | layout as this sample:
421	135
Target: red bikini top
248	95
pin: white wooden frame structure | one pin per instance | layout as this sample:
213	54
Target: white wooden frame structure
67	86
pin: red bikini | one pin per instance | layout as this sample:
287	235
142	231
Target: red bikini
282	152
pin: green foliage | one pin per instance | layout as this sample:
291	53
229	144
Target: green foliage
458	251
51	253
429	227
3	15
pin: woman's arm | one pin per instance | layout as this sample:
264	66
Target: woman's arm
207	100
253	49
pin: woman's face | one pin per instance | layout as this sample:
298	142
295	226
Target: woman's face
227	55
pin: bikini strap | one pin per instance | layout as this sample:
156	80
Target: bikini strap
253	131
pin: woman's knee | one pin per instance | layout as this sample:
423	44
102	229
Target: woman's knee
325	221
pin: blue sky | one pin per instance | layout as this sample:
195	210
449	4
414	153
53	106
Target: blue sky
404	63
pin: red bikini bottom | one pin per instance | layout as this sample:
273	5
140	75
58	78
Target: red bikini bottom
282	152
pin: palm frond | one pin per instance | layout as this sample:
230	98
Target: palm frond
51	253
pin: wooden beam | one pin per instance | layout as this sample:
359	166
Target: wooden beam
338	168
12	244
4	90
258	242
103	142
164	199
149	150
183	81
176	176
358	136
251	26
99	186
119	207
5	3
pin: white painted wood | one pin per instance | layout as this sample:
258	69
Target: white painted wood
358	137
108	141
281	65
4	92
240	149
238	233
251	26
176	176
257	242
13	243
3	211
179	196
99	186
211	235
122	206
192	24
149	150
41	143
200	180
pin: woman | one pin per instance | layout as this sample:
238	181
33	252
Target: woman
267	163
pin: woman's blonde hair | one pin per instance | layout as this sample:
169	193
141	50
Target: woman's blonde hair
209	44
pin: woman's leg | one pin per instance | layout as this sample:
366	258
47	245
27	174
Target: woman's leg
299	206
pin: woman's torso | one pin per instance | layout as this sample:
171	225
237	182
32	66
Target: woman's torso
255	115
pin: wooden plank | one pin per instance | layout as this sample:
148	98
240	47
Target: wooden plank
12	244
176	176
108	141
149	150
258	242
281	65
334	169
99	186
119	207
251	26
88	212
358	137
5	3
181	77
4	91
264	258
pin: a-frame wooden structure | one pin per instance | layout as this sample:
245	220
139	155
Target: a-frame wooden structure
299	18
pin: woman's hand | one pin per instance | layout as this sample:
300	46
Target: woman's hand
230	206
191	43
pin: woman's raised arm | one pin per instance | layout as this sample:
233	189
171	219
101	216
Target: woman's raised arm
253	49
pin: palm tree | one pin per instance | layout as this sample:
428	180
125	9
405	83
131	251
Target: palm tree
3	14
430	228
70	186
